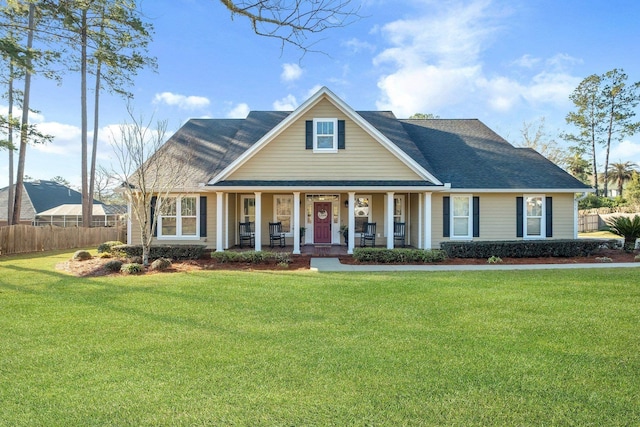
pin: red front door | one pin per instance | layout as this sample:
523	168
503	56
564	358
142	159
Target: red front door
322	222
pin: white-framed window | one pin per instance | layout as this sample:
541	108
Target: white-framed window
178	218
461	217
398	208
283	211
325	135
362	211
248	208
534	219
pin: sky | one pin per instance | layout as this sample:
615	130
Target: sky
504	62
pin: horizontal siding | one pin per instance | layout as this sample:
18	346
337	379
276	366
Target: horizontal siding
286	158
498	217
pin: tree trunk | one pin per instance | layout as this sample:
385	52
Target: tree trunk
94	147
593	155
606	157
24	127
86	213
10	199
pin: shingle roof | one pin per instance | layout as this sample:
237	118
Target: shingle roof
464	153
39	196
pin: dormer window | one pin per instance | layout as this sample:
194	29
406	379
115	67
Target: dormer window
325	135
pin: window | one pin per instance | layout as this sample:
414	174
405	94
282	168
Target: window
325	135
461	217
248	209
178	218
362	211
283	210
534	217
398	209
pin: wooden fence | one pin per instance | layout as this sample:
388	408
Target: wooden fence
17	239
590	222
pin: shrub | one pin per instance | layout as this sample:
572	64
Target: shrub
524	248
81	256
251	257
174	252
603	259
132	268
105	255
395	256
636	258
161	264
113	265
107	247
282	258
494	260
626	227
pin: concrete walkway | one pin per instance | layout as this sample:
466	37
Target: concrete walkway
334	264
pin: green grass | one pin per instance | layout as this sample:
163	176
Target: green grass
289	348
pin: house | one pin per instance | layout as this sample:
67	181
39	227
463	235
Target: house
70	215
41	199
325	165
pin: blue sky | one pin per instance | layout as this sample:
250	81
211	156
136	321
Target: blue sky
501	61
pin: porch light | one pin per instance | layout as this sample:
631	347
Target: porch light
346	203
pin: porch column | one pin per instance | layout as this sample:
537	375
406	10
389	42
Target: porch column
226	220
258	224
296	223
426	227
219	221
389	230
352	222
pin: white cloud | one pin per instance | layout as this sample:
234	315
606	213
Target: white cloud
626	151
313	91
290	72
181	101
240	111
356	45
66	138
288	103
526	61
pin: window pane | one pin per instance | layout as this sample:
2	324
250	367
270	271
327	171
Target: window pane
249	209
284	207
534	206
188	206
460	227
325	141
189	226
360	223
324	128
534	226
168	206
168	226
460	206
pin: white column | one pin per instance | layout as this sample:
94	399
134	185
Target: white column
352	222
129	216
427	221
390	219
258	225
226	220
219	221
420	219
296	223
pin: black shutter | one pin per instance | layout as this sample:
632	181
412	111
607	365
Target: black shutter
476	216
445	216
519	217
309	134
549	216
154	230
341	142
203	216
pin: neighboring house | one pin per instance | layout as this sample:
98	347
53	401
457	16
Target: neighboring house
325	165
71	216
38	197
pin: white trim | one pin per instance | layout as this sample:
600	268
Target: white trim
520	190
334	148
469	235
324	92
296	223
275	207
427	219
178	216
351	221
258	221
330	189
543	217
219	220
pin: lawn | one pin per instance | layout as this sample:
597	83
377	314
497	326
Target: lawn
301	348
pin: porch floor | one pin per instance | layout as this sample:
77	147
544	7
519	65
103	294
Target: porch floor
312	250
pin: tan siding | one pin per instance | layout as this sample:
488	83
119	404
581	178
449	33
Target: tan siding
413	220
498	217
286	158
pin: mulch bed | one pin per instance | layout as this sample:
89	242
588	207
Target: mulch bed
94	266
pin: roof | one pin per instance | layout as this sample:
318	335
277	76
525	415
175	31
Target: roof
463	153
76	210
39	196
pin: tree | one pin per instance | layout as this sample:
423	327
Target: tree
60	180
422	116
587	118
618	100
619	173
633	189
148	172
293	21
113	39
534	136
578	166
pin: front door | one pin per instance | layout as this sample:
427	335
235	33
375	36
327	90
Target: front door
322	222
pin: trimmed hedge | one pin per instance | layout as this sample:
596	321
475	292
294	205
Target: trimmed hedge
251	257
107	247
524	248
395	256
177	252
